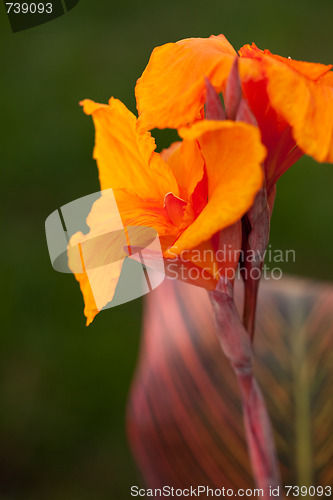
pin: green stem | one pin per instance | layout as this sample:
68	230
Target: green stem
302	406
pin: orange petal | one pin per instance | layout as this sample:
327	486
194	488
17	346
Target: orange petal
233	155
101	253
190	273
197	267
98	285
306	105
327	79
313	71
175	208
90	308
135	211
125	158
171	90
212	259
301	93
187	164
167	152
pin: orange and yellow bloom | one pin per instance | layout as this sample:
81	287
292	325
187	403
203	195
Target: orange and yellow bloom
188	194
204	184
212	189
291	100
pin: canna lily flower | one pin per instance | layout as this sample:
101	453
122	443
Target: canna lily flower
213	188
189	193
292	101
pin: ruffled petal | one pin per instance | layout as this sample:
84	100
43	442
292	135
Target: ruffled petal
233	155
187	164
126	158
135	211
301	95
307	106
101	254
313	71
171	90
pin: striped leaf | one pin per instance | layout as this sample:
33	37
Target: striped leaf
184	414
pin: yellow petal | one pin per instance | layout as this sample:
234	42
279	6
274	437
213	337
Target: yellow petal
101	254
126	158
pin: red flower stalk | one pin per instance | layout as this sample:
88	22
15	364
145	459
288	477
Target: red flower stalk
236	345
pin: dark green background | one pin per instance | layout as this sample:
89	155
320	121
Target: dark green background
63	387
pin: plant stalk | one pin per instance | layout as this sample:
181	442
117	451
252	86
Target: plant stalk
236	344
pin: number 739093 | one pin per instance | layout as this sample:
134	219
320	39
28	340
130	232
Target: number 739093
29	8
311	491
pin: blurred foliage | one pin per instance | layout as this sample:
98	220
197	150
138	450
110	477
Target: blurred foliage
190	429
63	387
